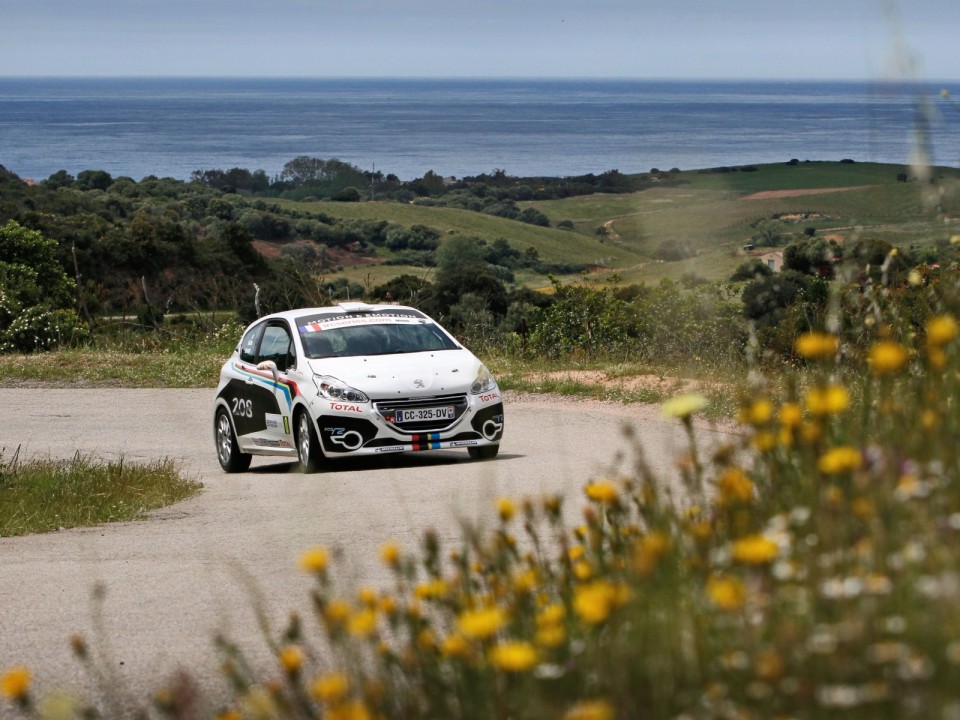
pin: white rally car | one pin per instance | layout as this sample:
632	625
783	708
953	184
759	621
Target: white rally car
355	379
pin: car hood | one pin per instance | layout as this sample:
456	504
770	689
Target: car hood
405	375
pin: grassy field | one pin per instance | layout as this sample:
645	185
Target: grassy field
707	216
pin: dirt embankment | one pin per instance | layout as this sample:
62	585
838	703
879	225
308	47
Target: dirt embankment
774	194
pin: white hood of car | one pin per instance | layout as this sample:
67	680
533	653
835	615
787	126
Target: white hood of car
439	372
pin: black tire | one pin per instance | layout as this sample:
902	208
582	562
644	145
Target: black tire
308	447
484	452
228	452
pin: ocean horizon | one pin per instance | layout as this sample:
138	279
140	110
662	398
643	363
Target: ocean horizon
554	127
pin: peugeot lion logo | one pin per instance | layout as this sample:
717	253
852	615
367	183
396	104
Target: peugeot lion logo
418	383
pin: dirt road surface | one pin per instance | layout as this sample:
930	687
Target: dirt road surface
193	569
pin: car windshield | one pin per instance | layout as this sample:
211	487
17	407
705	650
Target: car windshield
370	335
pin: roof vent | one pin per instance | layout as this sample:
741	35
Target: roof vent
356	307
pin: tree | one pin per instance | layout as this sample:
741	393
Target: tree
301	170
766	299
810	256
29	269
768	233
94	180
34	292
750	270
462	268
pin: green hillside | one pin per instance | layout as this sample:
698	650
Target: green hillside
699	223
552	244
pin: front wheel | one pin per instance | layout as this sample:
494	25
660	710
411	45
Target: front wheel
308	447
484	452
228	452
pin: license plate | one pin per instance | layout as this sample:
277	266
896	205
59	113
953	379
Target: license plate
423	414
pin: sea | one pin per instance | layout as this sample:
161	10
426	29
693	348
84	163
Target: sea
172	127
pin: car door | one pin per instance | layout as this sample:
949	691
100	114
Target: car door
258	398
276	347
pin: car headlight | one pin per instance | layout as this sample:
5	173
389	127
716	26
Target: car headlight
484	382
333	389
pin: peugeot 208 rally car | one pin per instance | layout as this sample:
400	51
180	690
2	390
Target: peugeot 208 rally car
355	379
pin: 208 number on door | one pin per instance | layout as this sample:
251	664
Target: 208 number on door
243	408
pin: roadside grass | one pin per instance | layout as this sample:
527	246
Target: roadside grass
39	495
173	356
97	367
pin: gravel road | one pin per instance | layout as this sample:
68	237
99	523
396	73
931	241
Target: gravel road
193	569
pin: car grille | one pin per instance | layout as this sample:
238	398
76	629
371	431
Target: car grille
388	411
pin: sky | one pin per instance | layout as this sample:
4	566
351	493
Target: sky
822	39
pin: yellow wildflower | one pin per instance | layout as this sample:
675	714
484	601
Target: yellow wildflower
582	570
353	710
426	639
811	433
887	357
552	504
434	589
595	601
769	665
700	529
828	400
845	458
514	656
336	612
456	646
937	357
602	492
363	623
506	509
735	486
727	593
817	345
942	329
791	415
551	614
757	412
15	683
481	624
591	710
833	495
754	550
683	406
315	560
765	441
367	596
231	714
551	636
387	605
525	581
390	554
648	551
291	659
576	552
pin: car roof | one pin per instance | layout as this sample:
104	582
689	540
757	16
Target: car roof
344	308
